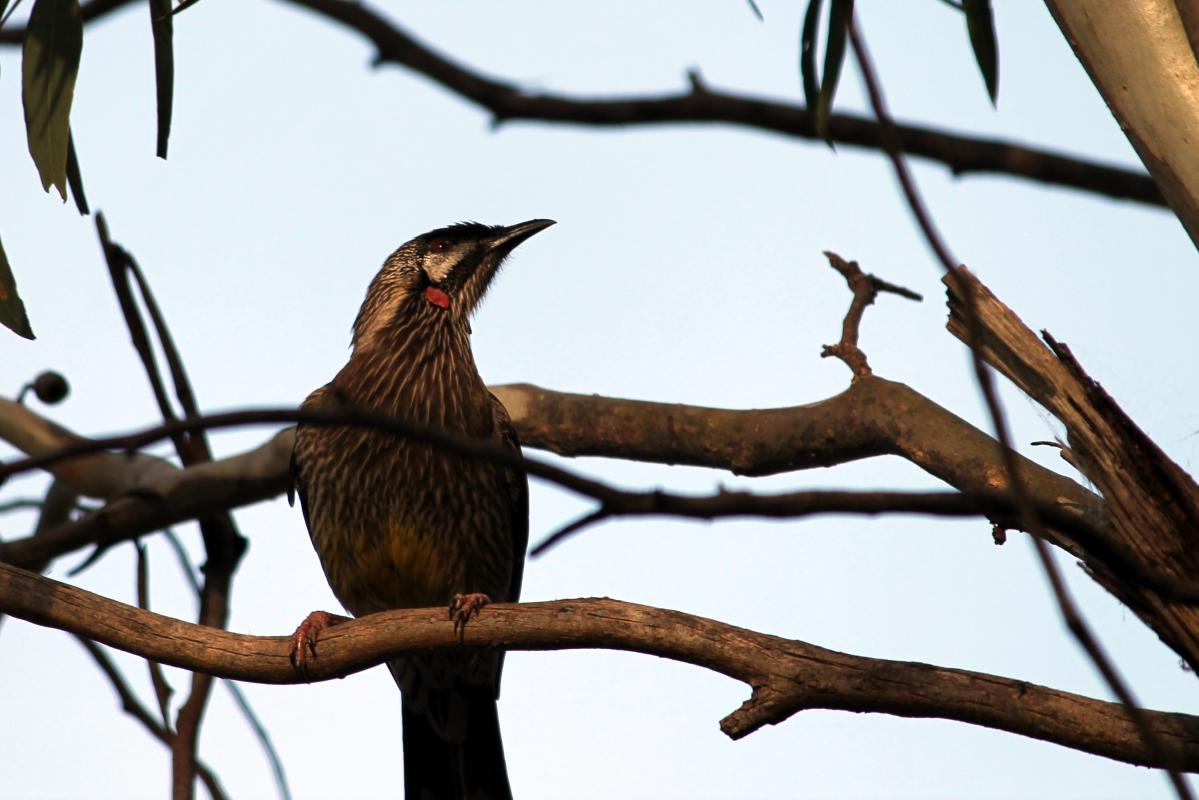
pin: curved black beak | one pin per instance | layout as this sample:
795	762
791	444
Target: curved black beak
508	238
476	274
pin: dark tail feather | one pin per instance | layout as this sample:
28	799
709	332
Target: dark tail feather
435	769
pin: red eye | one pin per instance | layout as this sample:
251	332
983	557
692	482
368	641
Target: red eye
440	245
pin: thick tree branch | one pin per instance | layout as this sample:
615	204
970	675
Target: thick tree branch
786	676
701	104
874	417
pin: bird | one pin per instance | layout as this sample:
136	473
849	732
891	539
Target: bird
397	523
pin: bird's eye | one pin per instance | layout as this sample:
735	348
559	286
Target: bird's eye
440	246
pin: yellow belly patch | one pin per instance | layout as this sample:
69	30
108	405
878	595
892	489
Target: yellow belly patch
405	567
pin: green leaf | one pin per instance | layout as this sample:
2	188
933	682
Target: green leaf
840	15
162	26
980	23
4	15
74	179
49	64
12	310
807	55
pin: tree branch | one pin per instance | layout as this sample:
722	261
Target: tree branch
814	432
786	676
701	104
865	289
507	101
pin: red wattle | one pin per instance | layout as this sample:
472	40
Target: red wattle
437	297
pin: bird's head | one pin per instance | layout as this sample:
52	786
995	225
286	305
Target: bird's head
438	276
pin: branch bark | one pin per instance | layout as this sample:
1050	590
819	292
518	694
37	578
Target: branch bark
785	676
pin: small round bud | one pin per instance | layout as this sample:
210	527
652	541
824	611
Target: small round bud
51	388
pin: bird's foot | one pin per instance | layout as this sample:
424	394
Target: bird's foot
303	641
464	607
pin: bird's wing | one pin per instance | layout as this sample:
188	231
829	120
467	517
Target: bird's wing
296	485
516	483
298	488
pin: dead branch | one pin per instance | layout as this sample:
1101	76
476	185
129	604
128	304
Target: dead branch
1029	519
865	288
786	676
1151	504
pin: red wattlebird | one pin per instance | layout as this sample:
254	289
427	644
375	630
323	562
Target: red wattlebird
400	524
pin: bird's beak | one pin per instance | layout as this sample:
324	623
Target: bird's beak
507	239
479	273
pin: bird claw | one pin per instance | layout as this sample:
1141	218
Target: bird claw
303	641
465	606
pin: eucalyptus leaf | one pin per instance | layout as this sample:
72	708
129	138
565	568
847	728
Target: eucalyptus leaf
74	178
980	24
12	310
4	15
49	64
807	55
840	15
162	26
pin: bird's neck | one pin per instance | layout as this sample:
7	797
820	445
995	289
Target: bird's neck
424	372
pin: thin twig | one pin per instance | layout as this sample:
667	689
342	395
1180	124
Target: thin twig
118	260
569	529
185	563
864	289
223	544
162	689
257	728
135	709
183	389
20	504
263	736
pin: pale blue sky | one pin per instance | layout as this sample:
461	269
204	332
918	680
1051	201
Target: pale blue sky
686	267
